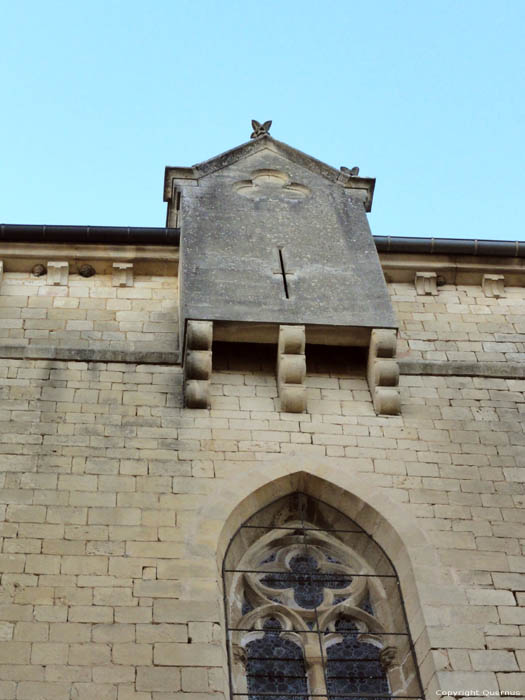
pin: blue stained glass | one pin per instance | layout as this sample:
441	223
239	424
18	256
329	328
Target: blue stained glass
353	667
246	606
275	665
307	581
366	605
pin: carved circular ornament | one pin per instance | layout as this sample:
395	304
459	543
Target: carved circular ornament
275	184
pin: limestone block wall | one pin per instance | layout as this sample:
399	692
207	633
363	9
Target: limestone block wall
89	313
460	323
116	502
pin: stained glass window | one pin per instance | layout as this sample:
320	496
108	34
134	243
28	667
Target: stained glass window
313	608
353	667
307	580
275	665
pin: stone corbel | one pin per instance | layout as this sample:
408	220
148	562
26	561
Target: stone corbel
291	368
388	658
197	364
122	274
426	283
57	273
239	655
383	372
493	285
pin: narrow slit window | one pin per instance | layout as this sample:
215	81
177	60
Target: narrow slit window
176	209
283	272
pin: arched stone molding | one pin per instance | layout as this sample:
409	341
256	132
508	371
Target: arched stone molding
389	524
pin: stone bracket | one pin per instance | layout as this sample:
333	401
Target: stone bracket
383	372
426	283
493	285
57	273
198	364
291	368
122	274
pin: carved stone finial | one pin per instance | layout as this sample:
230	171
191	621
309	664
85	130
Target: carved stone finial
260	129
352	172
387	658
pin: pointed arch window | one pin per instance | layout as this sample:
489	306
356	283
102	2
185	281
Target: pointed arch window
314	609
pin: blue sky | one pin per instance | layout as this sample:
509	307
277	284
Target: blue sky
428	97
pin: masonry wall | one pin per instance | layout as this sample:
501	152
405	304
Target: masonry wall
106	480
460	323
90	313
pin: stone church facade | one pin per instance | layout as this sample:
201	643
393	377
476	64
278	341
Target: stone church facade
260	453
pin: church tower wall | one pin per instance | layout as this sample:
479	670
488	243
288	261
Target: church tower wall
119	498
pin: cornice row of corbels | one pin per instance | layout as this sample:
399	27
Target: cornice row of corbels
382	369
426	284
57	273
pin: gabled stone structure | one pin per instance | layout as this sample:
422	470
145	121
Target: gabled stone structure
271	236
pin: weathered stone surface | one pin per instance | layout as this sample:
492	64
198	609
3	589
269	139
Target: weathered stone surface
286	243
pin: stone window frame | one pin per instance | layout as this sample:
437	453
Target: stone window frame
357	553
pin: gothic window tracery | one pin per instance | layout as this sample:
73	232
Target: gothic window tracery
313	609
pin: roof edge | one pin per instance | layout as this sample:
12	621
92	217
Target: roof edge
110	235
139	235
450	246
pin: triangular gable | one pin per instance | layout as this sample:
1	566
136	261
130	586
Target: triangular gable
261	143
